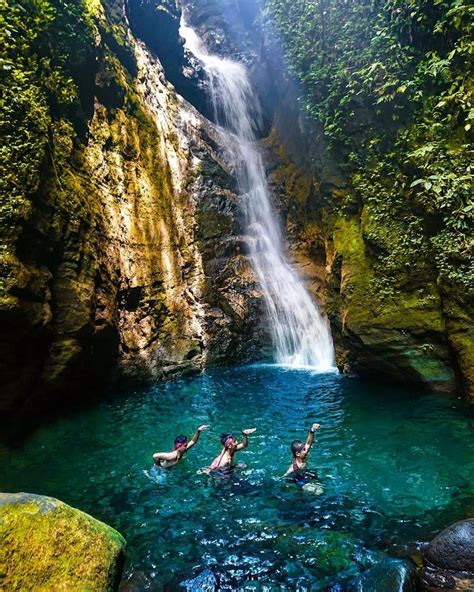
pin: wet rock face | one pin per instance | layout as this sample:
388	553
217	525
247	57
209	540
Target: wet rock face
47	545
232	28
228	28
453	548
131	263
157	23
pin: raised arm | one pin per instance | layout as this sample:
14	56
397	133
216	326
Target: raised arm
195	438
310	438
245	439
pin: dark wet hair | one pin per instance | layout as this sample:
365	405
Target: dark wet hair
180	440
225	437
296	446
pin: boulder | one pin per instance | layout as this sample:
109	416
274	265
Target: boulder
453	548
48	546
390	575
449	558
206	581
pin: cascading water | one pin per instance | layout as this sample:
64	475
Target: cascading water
301	335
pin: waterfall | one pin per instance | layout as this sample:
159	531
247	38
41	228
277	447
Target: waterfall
301	335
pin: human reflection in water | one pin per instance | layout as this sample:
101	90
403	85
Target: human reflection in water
298	471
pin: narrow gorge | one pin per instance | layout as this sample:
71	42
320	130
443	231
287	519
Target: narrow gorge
126	254
236	214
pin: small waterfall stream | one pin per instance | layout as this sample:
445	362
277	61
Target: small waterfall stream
301	335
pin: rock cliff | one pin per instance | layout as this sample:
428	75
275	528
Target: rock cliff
127	257
123	252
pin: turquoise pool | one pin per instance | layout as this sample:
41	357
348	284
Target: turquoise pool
394	468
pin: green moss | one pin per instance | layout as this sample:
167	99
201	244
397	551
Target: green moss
38	92
327	552
47	545
357	270
95	9
390	321
426	365
333	553
389	90
411	307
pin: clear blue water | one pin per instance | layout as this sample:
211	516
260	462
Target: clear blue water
395	468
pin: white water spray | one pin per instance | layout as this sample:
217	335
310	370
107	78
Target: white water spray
300	334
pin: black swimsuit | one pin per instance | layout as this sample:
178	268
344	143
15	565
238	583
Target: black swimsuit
301	475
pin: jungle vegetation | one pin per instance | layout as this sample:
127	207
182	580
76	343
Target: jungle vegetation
391	84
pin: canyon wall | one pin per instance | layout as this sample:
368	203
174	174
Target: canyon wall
393	312
126	257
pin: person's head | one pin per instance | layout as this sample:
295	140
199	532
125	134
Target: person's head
180	443
297	448
228	441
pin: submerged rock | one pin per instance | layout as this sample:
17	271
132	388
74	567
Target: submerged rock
390	575
449	558
48	545
206	581
137	581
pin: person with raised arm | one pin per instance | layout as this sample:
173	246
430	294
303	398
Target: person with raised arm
181	445
230	446
299	451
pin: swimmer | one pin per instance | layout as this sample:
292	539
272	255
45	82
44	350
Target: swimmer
224	461
181	445
299	451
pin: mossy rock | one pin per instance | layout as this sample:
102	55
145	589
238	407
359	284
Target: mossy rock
49	546
390	575
327	552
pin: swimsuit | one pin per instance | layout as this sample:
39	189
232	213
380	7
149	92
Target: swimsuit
301	475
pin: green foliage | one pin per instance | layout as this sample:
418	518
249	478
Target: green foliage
390	83
45	44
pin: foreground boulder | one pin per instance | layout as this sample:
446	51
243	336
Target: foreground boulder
449	558
46	545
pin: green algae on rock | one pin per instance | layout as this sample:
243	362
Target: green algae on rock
48	545
390	575
385	138
108	257
412	330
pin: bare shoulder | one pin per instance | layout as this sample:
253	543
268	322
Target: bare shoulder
165	456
